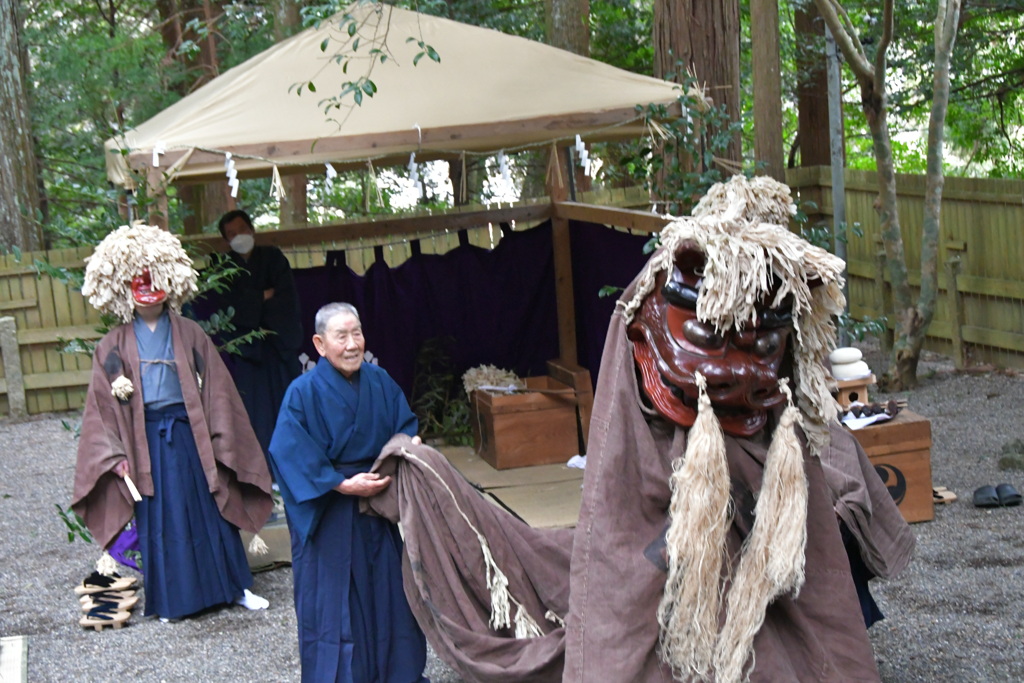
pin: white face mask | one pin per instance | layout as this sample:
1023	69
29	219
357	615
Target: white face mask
242	244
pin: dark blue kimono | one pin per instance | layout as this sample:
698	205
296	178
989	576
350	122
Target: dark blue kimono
354	621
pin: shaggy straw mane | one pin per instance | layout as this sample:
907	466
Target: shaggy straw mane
123	255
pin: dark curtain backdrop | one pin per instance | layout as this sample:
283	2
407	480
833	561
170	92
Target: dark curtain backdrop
497	307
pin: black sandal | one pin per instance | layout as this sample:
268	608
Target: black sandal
96	582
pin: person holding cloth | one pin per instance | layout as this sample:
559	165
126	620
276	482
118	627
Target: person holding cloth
353	618
162	412
263	296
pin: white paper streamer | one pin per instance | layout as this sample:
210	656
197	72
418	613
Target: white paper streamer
136	496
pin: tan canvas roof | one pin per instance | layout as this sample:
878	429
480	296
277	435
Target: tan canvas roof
489	92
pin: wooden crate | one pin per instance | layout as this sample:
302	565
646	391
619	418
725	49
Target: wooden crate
530	428
900	450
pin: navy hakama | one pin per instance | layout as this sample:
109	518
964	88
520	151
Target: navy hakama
355	624
192	558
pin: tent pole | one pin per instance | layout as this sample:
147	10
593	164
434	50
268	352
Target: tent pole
558	191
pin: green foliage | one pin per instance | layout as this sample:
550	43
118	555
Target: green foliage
681	167
621	34
75	526
438	399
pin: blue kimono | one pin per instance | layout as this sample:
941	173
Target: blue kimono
354	621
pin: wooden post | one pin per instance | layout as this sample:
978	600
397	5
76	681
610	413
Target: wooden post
558	191
955	303
12	367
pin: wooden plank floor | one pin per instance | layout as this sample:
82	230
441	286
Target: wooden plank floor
544	496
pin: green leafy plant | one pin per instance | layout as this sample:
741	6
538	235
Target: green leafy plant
438	400
75	526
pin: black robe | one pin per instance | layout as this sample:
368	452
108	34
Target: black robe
263	368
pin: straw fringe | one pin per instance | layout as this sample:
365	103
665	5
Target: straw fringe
257	546
695	542
106	565
772	559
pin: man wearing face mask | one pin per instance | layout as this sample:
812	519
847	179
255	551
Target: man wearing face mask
263	296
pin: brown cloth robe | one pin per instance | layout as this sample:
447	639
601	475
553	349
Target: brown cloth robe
112	430
611	631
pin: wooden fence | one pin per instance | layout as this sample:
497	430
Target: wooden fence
980	319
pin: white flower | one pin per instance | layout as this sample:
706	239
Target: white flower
122	388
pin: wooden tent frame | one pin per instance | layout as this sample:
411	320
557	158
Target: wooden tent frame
559	209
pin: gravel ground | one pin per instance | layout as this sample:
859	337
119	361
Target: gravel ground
954	615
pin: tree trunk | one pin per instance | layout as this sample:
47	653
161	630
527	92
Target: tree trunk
764	42
705	38
911	318
812	88
568	27
19	192
206	203
294	207
907	351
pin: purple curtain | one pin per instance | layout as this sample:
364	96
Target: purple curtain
498	306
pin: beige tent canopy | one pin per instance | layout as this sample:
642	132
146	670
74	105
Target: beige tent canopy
489	92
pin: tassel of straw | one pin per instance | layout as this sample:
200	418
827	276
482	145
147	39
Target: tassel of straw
772	561
695	544
257	546
106	565
526	627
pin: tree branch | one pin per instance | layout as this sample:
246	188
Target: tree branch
845	36
883	47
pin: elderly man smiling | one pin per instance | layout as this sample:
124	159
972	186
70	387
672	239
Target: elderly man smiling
354	621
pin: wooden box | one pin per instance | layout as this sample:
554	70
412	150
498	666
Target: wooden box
529	428
900	450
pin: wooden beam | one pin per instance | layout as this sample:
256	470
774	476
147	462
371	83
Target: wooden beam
50	335
58	380
18	304
641	221
409	227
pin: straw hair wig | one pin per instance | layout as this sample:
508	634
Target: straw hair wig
753	258
123	255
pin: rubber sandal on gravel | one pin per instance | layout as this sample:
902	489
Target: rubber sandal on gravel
941	495
96	582
986	497
103	616
1008	496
